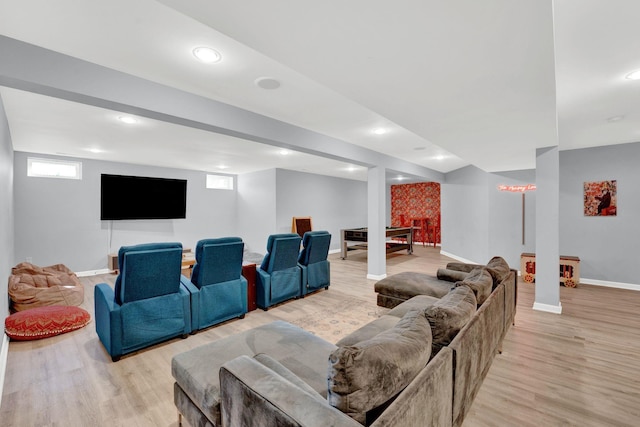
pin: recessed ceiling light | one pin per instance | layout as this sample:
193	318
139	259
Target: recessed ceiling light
634	75
615	119
284	152
95	150
207	55
267	83
223	167
128	120
440	157
380	131
401	178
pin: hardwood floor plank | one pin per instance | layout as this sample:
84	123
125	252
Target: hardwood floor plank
580	368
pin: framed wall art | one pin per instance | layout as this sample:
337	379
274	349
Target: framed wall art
601	198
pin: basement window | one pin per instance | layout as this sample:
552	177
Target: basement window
50	168
220	182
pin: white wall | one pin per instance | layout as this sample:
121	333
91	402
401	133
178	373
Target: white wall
478	221
464	206
505	216
256	208
58	220
332	203
607	246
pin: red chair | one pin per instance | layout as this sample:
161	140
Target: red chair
433	230
420	226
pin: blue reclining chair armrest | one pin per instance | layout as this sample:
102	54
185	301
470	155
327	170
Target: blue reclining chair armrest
194	302
263	289
108	319
304	289
245	291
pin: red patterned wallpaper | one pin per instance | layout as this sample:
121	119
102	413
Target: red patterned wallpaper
420	200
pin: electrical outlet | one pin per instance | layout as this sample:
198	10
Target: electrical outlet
29	260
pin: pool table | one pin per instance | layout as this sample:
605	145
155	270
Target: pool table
360	235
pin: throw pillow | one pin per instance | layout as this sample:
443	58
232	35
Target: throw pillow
448	315
43	322
480	282
365	375
499	269
451	275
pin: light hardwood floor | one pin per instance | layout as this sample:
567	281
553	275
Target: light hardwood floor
580	368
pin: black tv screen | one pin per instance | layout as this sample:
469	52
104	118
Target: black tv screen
138	197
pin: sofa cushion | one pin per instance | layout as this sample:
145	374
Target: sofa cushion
449	315
196	371
43	322
462	266
480	282
499	269
285	373
409	284
367	374
370	330
419	302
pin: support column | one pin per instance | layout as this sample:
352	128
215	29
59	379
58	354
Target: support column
377	254
547	296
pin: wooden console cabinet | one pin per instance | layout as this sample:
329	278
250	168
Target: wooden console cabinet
249	273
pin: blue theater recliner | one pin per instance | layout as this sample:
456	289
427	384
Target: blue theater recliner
279	278
149	304
218	276
313	261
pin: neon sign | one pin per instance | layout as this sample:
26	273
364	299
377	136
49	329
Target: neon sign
517	188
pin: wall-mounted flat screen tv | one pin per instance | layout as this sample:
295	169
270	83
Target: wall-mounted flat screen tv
138	197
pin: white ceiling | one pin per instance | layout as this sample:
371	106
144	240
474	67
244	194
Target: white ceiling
453	83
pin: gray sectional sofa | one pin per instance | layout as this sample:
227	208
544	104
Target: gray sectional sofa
421	364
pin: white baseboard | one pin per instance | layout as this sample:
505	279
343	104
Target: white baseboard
607	284
4	354
556	309
376	276
457	258
92	272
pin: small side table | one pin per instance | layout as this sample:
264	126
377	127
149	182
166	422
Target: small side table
188	261
249	273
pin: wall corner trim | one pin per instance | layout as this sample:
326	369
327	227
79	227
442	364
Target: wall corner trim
4	354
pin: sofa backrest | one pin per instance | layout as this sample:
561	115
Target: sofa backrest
427	400
449	315
474	348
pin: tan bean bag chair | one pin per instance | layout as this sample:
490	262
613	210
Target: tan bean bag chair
32	286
